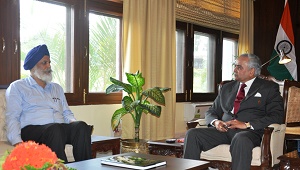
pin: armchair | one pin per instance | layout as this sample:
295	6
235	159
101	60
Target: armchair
263	157
291	98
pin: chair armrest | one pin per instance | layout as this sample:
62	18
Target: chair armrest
191	124
266	157
277	127
272	144
277	142
195	122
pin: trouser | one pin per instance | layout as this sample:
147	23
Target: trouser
241	143
57	135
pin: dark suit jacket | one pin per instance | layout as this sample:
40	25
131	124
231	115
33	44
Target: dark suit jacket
262	106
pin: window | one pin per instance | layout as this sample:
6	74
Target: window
104	50
230	48
83	38
50	27
180	51
199	57
204	55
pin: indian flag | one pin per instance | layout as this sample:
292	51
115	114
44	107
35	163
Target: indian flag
285	42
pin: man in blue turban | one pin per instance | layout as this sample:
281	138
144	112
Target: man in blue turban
37	110
35	55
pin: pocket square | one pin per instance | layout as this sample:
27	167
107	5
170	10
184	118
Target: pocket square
257	94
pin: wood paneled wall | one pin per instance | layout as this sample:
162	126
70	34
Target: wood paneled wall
267	15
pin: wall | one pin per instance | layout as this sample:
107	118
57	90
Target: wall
100	115
97	115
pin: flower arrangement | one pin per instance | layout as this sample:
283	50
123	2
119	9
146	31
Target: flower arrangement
32	156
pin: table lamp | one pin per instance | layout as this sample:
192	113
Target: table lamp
283	58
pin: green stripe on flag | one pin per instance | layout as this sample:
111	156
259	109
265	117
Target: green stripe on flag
279	71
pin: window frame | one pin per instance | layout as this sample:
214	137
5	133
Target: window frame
108	8
80	82
80	45
189	29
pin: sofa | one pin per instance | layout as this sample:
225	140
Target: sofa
4	144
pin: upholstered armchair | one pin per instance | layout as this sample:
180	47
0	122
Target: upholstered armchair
263	157
291	97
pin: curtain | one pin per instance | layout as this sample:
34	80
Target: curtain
246	27
149	29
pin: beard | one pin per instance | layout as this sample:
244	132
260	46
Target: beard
44	75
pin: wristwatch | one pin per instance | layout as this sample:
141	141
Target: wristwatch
248	125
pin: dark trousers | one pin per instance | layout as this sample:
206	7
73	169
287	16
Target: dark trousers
241	143
57	135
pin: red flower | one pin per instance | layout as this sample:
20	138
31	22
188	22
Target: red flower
30	154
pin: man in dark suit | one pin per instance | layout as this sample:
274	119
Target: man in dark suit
235	120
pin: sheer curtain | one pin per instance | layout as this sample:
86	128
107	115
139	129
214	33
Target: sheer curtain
149	46
246	27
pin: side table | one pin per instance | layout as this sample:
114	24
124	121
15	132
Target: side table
290	160
161	147
104	144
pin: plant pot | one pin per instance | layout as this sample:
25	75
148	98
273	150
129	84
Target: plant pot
130	145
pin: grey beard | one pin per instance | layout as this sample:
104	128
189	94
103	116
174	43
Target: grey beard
42	76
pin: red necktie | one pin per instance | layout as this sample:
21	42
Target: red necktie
239	98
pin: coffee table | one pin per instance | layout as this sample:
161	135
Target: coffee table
161	147
172	163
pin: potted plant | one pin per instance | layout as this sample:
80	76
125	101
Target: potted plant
137	101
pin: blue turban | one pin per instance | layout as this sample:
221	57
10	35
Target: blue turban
35	55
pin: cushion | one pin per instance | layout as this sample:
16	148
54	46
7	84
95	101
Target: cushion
293	107
293	130
222	153
2	115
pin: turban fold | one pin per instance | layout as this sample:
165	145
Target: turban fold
35	55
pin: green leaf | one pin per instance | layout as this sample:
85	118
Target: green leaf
30	167
165	89
135	103
155	94
113	88
3	158
145	102
126	103
126	87
152	109
136	80
116	117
